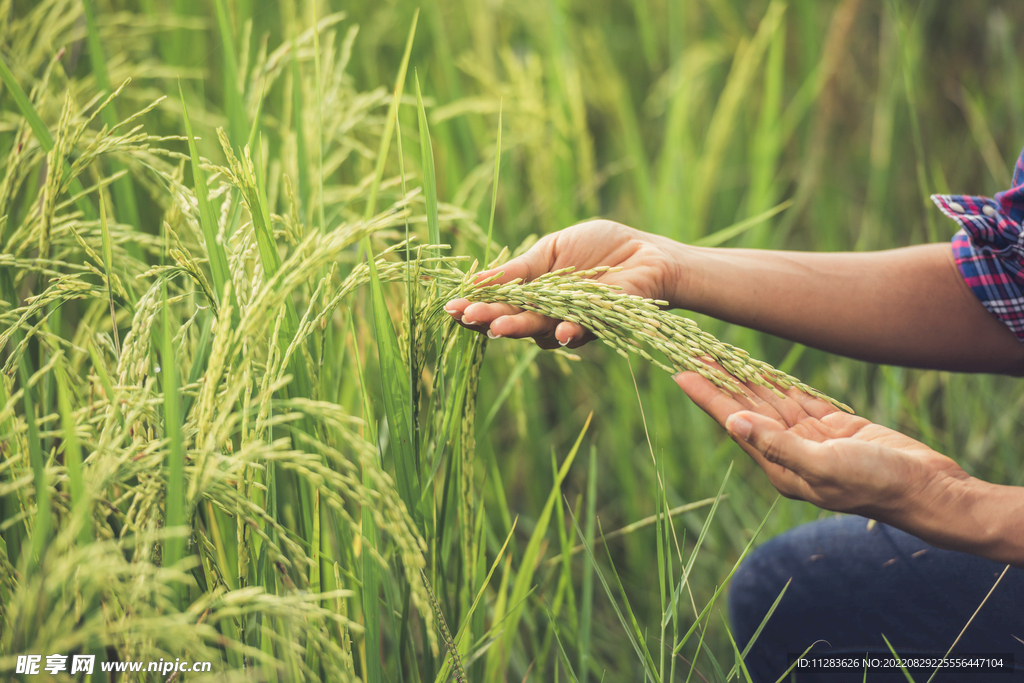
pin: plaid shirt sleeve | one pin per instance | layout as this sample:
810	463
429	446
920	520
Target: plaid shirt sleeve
989	248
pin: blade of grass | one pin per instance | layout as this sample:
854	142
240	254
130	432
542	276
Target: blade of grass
42	134
735	230
389	124
41	531
369	589
721	130
320	122
899	659
393	374
372	671
718	591
506	389
757	631
531	555
641	650
174	500
641	640
429	179
300	132
397	399
587	589
124	187
109	271
312	657
73	457
700	540
232	95
207	219
494	188
561	649
640	524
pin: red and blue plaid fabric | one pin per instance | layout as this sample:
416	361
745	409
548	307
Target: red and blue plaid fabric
989	248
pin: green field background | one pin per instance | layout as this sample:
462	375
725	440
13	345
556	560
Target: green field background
828	122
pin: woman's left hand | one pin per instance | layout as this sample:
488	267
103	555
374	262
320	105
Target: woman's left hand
812	451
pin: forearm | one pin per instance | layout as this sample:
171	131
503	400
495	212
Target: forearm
971	516
906	306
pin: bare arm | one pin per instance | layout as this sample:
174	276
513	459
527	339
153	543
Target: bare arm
906	306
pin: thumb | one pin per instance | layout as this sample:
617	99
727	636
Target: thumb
771	439
537	260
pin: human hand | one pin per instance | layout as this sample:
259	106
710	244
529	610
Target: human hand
812	451
651	266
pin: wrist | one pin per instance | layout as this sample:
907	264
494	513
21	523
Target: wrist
969	515
685	279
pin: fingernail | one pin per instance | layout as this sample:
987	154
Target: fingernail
491	335
469	322
566	342
450	309
739	427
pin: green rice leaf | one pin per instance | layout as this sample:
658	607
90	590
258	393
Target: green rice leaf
124	187
174	499
41	532
524	579
232	94
73	456
370	590
394	379
42	134
25	105
389	124
494	188
393	373
429	179
632	631
207	219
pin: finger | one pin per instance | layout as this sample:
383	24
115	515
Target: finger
456	308
795	405
812	405
716	402
522	325
537	260
484	314
572	335
789	409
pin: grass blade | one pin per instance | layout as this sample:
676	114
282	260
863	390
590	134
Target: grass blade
109	271
394	376
587	589
429	178
232	96
174	501
389	125
124	187
524	579
207	219
372	672
394	379
494	188
42	134
73	457
640	649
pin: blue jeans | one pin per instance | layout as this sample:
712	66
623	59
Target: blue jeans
850	585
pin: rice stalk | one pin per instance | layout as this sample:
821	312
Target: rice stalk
632	324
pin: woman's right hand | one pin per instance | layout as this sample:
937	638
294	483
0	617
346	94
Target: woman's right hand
651	266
